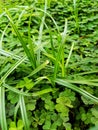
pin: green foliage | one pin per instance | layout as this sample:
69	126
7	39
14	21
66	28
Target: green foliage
12	97
49	104
49	65
64	102
26	82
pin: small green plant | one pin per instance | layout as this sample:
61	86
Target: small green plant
19	126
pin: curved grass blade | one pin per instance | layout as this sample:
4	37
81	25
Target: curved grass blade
39	79
3	33
77	89
40	32
11	70
57	28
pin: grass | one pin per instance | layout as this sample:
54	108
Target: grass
48	68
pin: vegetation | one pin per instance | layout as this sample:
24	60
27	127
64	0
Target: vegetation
48	65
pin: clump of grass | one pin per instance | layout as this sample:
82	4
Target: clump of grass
45	62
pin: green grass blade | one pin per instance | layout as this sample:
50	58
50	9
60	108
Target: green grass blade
62	48
60	54
38	80
13	56
51	41
31	46
3	122
69	56
86	73
41	92
87	82
40	32
2	36
40	67
29	55
15	112
77	89
11	70
20	16
64	32
11	88
24	113
58	58
57	28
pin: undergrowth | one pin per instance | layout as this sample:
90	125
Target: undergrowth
48	66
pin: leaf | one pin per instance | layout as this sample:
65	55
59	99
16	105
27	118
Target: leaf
95	112
67	126
12	97
20	125
68	94
64	101
12	126
47	125
63	109
26	82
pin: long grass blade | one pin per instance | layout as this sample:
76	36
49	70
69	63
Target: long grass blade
15	111
58	58
40	32
86	73
24	113
31	46
77	89
3	122
87	82
29	55
69	56
62	48
11	88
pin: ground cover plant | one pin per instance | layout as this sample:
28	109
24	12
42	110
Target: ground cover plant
48	65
